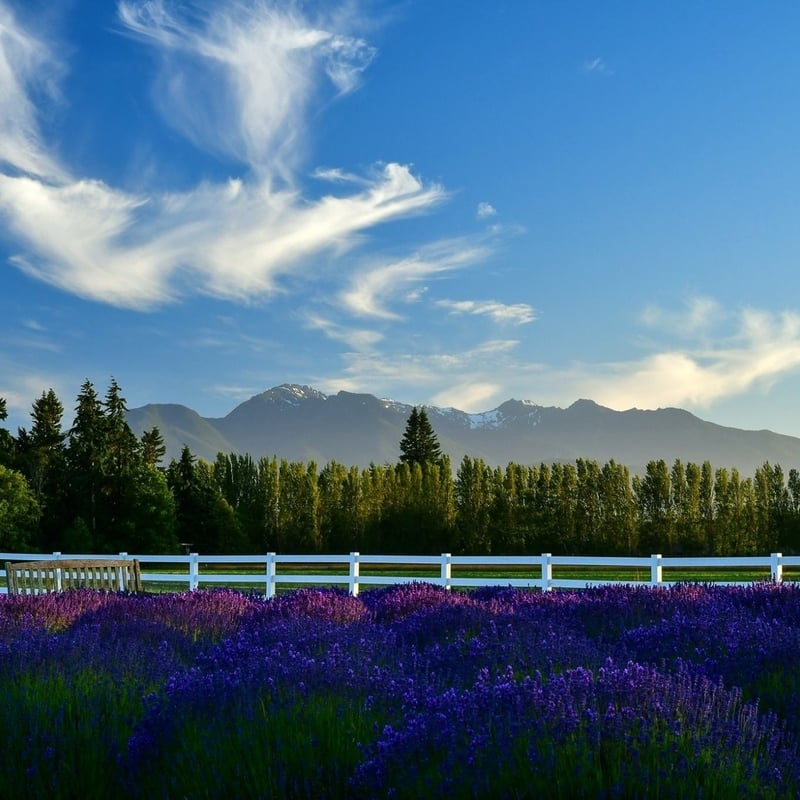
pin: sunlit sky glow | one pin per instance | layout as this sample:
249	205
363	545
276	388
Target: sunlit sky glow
442	203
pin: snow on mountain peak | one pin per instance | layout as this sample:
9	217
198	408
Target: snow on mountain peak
294	393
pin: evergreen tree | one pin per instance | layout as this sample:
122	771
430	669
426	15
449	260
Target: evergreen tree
6	439
41	458
205	520
122	447
117	499
85	456
419	444
153	447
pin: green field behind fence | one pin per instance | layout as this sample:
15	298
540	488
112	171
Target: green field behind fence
432	574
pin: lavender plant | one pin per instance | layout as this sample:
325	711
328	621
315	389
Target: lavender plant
410	691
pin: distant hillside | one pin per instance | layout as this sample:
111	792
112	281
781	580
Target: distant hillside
300	424
181	426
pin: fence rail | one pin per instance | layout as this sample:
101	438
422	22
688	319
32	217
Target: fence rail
192	570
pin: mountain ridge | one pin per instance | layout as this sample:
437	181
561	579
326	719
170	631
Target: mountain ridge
300	423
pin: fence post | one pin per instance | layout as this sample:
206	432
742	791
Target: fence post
194	571
270	591
57	557
656	570
447	569
120	584
547	572
776	566
354	571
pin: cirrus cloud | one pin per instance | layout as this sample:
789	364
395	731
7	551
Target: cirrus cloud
516	313
231	240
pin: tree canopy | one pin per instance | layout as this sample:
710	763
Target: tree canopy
419	444
6	439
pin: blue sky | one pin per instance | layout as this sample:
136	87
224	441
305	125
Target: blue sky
438	202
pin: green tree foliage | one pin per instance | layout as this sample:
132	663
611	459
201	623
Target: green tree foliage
269	491
19	512
419	444
706	504
7	444
588	505
85	457
205	520
653	495
298	506
341	515
115	499
375	492
147	521
618	531
772	507
41	457
238	479
439	505
153	447
418	511
474	496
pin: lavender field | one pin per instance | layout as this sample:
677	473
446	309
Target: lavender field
404	692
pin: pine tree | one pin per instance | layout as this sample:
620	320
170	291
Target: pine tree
419	444
6	439
85	456
204	521
153	447
41	457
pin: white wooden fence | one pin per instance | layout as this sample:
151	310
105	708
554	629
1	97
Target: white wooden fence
264	572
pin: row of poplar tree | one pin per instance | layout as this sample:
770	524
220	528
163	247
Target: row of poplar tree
98	488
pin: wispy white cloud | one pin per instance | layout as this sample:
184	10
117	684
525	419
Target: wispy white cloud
26	67
459	378
252	66
335	175
239	393
698	316
486	210
358	339
20	386
256	71
34	343
371	290
756	350
468	396
516	313
760	349
596	66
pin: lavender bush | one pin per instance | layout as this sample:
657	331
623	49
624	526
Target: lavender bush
405	692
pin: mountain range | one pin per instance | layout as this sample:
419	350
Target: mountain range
299	423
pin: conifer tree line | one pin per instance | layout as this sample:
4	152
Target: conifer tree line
95	487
